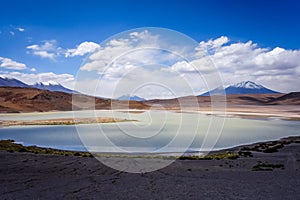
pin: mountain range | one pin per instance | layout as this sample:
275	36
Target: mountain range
52	86
49	85
16	96
245	87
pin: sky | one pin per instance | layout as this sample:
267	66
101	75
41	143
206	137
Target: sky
246	40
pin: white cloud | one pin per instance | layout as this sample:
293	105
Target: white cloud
245	55
181	67
33	69
46	50
125	63
212	44
277	68
82	49
44	54
271	67
11	33
11	64
129	55
49	49
120	50
20	29
202	66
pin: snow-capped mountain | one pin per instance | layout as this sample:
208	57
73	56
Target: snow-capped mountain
245	87
248	85
52	86
128	97
49	85
11	82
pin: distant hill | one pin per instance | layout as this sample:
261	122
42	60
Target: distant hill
232	101
245	87
133	98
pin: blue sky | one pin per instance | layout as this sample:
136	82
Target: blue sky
66	24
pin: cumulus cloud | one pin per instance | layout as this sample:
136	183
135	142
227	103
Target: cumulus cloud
46	50
246	60
202	66
11	64
137	59
49	49
120	51
82	49
213	44
119	58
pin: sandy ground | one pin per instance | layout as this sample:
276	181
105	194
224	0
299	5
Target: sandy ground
62	121
290	112
41	176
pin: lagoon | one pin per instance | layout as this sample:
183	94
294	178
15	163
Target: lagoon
153	132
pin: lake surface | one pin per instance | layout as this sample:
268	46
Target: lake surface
153	132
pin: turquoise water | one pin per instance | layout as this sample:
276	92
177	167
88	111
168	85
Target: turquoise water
154	132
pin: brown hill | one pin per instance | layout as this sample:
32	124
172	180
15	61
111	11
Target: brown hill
15	99
232	100
291	99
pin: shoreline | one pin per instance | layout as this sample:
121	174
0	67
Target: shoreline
268	146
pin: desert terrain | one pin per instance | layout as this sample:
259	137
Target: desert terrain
13	100
269	170
17	99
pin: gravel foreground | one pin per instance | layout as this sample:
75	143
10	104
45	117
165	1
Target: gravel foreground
264	175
